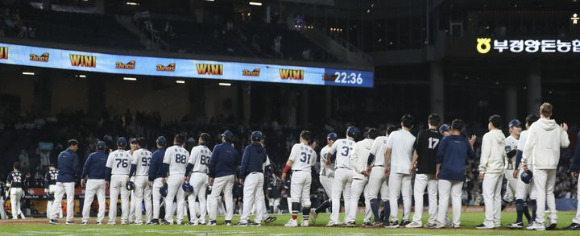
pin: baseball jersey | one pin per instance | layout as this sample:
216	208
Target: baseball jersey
303	157
401	144
119	162
520	146
342	148
50	177
359	157
511	143
176	157
16	179
378	150
326	171
199	158
142	160
426	146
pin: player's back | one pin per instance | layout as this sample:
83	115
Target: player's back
378	150
119	162
16	179
303	157
426	146
142	160
328	171
200	158
343	149
176	156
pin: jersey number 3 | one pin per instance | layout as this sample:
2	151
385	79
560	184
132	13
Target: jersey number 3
305	157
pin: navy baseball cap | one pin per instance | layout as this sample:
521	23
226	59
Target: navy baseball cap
121	141
352	131
515	122
332	136
161	140
133	140
229	135
256	136
444	128
101	145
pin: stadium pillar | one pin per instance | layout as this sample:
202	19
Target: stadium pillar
96	96
534	88
511	102
304	106
437	91
197	100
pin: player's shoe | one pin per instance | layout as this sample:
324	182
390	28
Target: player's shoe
572	226
350	224
70	222
154	222
99	223
137	223
405	222
483	226
191	223
53	222
291	223
439	226
228	223
313	215
255	224
392	225
331	224
378	224
552	225
164	222
367	224
536	226
431	225
516	225
111	222
241	224
414	225
123	222
84	223
270	219
212	223
201	223
304	223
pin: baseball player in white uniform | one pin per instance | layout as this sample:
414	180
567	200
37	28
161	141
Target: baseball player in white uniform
326	176
359	158
117	175
492	171
139	174
377	181
398	158
175	160
523	189
15	182
198	167
50	188
340	154
511	145
302	159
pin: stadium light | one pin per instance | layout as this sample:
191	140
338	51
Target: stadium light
130	78
132	4
575	18
27	73
225	84
180	81
256	3
82	76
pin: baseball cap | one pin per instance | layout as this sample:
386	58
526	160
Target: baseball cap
352	131
229	135
161	140
256	136
515	122
121	141
332	136
133	140
101	145
444	128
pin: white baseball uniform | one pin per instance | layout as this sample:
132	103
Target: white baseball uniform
359	185
303	158
342	178
401	144
176	156
199	158
142	192
119	162
326	173
511	143
523	189
377	180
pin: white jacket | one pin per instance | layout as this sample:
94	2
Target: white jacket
492	153
359	157
545	138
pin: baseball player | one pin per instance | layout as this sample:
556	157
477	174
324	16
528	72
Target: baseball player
94	169
139	171
423	164
222	167
50	187
268	171
252	177
492	171
131	183
451	159
116	176
326	177
399	154
523	189
445	130
156	175
15	182
359	158
68	171
377	181
340	154
301	160
274	194
175	161
3	215
199	160
511	145
574	174
545	138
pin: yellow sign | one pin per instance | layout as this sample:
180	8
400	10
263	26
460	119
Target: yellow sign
483	45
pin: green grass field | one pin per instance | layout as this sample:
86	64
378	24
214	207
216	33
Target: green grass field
469	221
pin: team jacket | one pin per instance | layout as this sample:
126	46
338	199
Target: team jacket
224	160
452	153
68	166
95	166
492	153
155	170
545	138
576	161
253	159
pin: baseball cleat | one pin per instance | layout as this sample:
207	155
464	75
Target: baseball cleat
270	219
414	225
291	223
313	215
